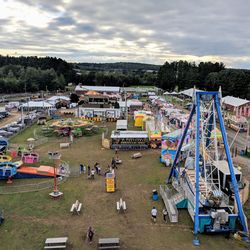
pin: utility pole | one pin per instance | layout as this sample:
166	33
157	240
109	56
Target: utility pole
126	106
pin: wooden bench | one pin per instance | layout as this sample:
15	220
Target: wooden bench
121	205
109	243
64	145
56	243
76	207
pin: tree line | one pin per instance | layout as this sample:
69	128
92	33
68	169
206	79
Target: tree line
206	76
117	78
17	78
19	74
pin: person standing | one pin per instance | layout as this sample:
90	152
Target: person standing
88	170
154	214
90	235
81	168
92	174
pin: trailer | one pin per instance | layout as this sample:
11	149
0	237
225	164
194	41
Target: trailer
129	140
121	125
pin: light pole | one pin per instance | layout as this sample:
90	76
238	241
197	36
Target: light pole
55	156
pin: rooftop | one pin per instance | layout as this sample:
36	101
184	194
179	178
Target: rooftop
234	101
98	88
189	92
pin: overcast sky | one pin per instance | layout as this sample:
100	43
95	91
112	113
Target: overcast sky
150	31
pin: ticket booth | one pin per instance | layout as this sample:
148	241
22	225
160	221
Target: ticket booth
110	182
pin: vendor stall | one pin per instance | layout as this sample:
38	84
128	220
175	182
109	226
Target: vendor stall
139	120
169	146
100	114
155	139
129	140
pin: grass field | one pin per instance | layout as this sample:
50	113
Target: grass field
32	217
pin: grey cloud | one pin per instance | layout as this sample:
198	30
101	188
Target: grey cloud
198	28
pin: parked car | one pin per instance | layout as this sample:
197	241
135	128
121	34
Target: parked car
5	133
13	129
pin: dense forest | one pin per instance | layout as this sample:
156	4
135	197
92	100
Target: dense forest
17	78
20	74
206	75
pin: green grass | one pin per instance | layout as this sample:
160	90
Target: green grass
30	132
33	217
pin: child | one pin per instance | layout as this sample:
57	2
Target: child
154	214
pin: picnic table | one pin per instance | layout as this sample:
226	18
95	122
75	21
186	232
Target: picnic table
56	243
109	243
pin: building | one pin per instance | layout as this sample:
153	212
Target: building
59	101
239	106
55	99
82	89
36	105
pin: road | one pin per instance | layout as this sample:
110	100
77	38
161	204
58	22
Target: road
241	140
13	117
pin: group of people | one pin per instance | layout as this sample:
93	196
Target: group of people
154	214
91	171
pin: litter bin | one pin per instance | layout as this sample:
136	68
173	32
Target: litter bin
155	195
242	152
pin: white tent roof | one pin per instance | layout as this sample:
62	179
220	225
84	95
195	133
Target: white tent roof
97	88
166	93
58	97
130	103
224	168
129	134
189	92
234	101
37	104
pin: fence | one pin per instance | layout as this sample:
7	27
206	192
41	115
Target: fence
47	184
16	189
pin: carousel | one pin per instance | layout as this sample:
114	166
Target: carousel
74	126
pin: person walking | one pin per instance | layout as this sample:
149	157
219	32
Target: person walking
96	167
88	170
154	214
90	235
113	163
165	213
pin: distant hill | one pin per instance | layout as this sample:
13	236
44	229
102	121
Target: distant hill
119	66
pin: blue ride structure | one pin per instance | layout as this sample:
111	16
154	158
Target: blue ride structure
198	184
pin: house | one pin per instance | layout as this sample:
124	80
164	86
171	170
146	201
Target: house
239	106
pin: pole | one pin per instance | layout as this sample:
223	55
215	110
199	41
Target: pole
22	115
241	214
55	184
126	107
197	154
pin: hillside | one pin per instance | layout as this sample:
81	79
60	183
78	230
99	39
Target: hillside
119	66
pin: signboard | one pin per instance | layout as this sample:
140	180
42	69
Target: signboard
110	185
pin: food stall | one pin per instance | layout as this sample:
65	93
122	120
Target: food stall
129	140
